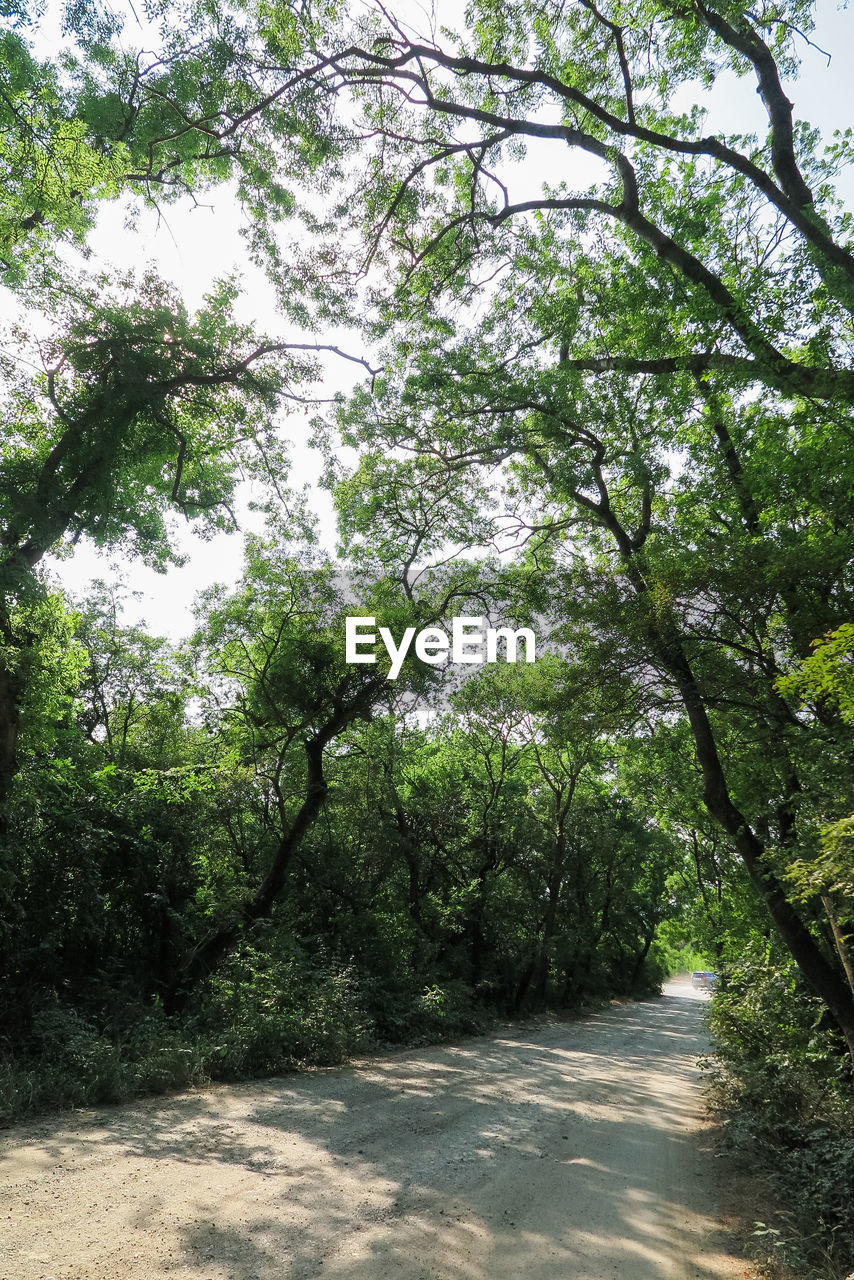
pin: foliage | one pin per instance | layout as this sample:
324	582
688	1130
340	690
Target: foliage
825	679
617	404
780	1088
448	872
270	1020
638	379
828	672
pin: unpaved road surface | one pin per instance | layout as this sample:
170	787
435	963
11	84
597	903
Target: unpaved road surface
572	1151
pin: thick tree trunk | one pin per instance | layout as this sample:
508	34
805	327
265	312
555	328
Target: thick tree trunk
822	976
9	722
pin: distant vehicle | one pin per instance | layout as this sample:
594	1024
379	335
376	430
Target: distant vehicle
704	978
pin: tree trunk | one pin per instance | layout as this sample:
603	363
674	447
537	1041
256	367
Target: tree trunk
640	958
665	640
822	976
9	722
523	985
210	951
9	719
541	964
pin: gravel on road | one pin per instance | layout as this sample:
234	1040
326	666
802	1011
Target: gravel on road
564	1150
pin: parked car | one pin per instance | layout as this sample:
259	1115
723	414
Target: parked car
704	978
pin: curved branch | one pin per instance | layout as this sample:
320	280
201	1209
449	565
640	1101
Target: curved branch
791	197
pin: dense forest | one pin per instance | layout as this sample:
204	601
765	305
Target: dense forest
602	389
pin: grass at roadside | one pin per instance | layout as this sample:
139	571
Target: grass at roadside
781	1086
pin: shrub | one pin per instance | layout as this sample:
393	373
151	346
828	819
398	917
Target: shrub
265	1014
782	1084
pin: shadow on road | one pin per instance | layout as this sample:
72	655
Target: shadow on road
569	1152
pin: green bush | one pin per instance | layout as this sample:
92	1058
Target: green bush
782	1084
68	1061
259	1016
264	1015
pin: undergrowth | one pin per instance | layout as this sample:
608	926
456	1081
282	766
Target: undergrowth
257	1017
782	1085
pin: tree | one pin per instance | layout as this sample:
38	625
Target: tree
137	406
134	691
157	111
277	686
660	369
141	408
825	678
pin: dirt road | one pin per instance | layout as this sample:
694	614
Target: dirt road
570	1152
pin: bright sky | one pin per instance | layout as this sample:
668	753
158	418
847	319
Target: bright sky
194	245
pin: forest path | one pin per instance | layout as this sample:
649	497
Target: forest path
573	1151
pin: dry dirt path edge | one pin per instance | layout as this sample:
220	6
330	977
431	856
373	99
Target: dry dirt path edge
571	1152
